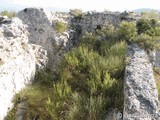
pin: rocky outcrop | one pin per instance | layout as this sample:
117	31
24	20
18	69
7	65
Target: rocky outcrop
42	33
17	61
141	96
41	26
36	45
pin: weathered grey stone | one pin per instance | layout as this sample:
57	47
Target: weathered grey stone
43	33
21	110
18	61
113	114
157	58
141	96
40	56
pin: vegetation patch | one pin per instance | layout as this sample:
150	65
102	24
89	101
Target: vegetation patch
89	80
60	27
7	13
144	32
77	13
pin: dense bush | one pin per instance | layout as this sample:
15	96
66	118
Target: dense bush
127	31
107	31
144	32
144	26
152	14
60	27
7	13
90	81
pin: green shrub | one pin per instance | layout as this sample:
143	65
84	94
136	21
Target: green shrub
127	31
145	33
77	13
145	41
60	27
106	31
145	26
90	81
152	14
7	13
157	31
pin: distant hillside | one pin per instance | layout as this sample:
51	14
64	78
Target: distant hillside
145	10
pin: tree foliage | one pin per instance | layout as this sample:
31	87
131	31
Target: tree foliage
152	14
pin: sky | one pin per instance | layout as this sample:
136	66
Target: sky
85	5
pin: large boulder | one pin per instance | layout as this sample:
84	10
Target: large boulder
141	96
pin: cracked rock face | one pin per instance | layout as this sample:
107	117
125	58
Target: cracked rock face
18	61
141	96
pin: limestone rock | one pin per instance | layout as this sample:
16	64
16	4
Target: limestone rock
40	56
17	62
113	114
43	33
21	110
141	96
4	19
